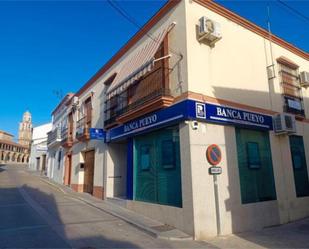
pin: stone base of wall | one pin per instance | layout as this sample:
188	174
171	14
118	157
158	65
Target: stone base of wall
78	187
98	192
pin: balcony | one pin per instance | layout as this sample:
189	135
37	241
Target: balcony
66	137
82	129
54	137
148	94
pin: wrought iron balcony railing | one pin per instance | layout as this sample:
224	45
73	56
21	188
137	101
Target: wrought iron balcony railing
66	137
147	94
82	128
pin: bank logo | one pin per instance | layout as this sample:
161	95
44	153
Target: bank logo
200	110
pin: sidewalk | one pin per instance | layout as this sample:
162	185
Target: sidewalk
152	227
292	235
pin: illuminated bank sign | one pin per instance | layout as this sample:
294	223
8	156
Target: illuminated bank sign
140	123
190	110
228	115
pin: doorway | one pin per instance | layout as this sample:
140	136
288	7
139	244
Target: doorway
38	163
44	164
67	172
157	172
89	171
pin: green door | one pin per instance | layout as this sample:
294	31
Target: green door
145	184
157	173
299	166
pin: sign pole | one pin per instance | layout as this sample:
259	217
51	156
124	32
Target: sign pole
214	155
216	192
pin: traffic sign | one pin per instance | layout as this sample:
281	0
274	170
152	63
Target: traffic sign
213	154
97	133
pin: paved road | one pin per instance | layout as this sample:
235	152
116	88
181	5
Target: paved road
33	214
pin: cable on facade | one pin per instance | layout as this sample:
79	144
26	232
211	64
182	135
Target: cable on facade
129	18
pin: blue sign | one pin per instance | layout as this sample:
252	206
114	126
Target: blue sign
228	115
97	133
168	116
190	110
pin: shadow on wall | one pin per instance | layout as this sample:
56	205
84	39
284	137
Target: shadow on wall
63	225
256	215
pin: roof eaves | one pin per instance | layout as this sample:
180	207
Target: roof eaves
219	9
155	19
66	98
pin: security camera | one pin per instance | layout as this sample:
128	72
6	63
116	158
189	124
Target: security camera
194	125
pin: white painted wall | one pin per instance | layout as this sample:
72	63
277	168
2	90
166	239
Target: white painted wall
235	69
39	143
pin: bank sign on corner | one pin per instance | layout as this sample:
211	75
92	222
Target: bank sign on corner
228	115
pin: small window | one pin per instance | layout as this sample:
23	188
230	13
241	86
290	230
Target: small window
168	154
253	152
145	157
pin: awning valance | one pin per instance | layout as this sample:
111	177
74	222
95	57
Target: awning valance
137	65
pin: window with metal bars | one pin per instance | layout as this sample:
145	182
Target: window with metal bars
291	89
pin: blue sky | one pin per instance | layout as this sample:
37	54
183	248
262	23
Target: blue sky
57	46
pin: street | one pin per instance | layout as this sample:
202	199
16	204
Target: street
34	214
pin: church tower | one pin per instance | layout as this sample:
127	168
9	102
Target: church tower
25	130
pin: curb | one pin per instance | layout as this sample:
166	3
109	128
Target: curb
137	225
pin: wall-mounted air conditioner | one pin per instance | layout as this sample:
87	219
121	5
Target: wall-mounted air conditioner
304	79
284	124
209	31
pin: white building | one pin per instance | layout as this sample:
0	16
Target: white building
162	101
55	155
38	149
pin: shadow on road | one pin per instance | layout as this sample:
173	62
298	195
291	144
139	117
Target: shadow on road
30	218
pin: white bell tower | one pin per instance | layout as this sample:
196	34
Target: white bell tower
25	130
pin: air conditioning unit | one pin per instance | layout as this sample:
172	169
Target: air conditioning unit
304	79
75	101
284	124
209	31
